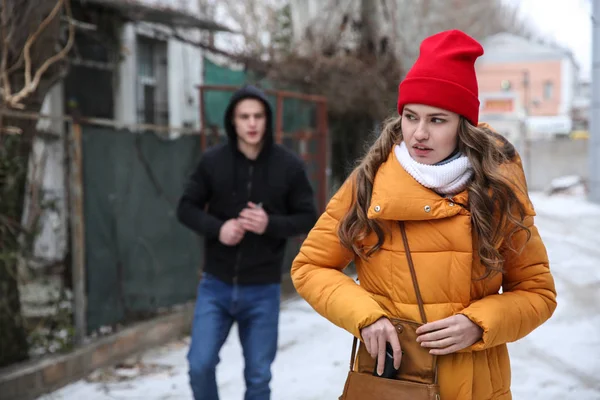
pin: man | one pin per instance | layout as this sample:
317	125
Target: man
246	198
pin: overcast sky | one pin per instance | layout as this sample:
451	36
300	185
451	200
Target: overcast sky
567	21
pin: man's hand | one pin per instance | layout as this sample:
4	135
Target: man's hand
376	336
254	219
231	233
449	335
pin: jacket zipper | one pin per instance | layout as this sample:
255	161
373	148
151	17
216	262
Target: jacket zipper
239	253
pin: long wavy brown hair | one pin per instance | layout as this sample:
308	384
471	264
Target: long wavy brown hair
496	212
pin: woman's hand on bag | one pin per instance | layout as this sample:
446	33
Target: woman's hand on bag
449	335
375	337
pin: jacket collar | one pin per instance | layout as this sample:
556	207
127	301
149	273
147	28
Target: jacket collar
398	196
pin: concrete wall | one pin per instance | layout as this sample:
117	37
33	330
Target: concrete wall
185	74
509	127
552	159
125	99
47	165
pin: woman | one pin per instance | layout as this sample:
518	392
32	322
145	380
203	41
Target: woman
461	192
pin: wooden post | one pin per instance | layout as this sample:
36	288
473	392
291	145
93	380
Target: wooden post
77	231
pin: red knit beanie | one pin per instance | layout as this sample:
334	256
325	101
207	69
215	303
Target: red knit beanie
444	75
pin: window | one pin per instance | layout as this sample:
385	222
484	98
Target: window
152	93
548	90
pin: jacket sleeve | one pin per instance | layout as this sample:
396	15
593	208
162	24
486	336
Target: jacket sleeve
302	213
191	210
528	295
317	272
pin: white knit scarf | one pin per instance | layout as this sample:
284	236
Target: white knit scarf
448	179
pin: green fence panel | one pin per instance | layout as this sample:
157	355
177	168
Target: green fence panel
139	258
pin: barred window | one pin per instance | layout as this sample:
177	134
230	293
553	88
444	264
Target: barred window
152	81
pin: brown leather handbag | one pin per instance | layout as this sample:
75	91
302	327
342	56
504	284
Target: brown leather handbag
417	376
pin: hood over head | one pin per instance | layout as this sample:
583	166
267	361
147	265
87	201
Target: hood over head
248	92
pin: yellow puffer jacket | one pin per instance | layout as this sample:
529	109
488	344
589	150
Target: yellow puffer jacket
440	239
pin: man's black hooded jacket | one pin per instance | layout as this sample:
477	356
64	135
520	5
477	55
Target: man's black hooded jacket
223	183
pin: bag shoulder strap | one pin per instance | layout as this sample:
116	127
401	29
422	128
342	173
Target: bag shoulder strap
413	275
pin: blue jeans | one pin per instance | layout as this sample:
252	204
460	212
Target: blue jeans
255	308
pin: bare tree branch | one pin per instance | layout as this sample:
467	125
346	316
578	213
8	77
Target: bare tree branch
31	87
31	84
32	38
12	130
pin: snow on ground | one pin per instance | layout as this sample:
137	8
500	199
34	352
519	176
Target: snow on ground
560	360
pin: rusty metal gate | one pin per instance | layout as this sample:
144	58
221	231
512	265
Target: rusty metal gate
300	124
